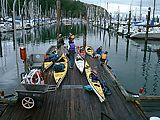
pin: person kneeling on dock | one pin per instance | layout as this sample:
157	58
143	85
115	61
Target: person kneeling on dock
104	58
98	52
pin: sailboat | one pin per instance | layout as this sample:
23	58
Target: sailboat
153	33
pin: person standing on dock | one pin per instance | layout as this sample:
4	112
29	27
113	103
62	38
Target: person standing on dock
104	58
60	44
71	53
60	41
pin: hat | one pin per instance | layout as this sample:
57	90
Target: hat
60	35
105	52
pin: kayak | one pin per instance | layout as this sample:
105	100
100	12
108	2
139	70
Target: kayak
95	84
79	61
47	64
81	51
89	50
60	75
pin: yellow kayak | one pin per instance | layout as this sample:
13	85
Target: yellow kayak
89	50
59	76
96	86
48	64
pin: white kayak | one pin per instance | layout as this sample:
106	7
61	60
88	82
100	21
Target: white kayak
79	61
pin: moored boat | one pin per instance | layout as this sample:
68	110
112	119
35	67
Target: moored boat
141	35
153	34
95	84
79	61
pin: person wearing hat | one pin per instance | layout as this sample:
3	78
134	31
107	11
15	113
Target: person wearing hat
71	37
104	58
60	44
99	50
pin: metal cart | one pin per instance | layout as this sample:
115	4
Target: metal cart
31	95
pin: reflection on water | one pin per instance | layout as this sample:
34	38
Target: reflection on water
134	66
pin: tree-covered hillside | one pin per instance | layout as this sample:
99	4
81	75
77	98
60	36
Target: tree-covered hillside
71	7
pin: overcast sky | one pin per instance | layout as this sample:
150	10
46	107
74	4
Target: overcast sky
145	3
124	5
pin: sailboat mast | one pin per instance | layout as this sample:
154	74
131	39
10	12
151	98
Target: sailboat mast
6	7
154	9
2	8
140	16
19	8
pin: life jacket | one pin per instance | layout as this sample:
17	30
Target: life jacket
72	48
104	56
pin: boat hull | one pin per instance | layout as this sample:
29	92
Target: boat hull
142	35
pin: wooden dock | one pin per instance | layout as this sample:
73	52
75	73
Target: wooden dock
72	102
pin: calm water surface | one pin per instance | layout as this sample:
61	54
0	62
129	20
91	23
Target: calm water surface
133	67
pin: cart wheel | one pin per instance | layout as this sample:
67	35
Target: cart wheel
28	102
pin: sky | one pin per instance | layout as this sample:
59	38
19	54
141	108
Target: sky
125	5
